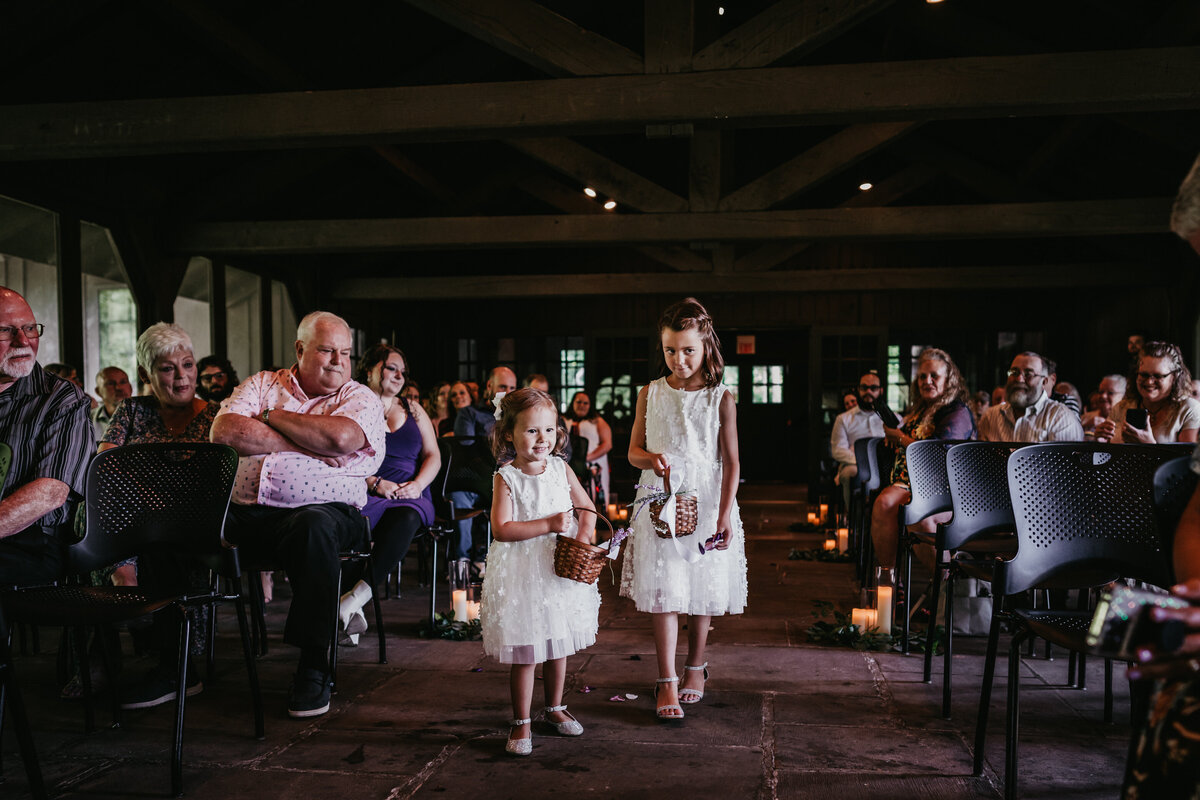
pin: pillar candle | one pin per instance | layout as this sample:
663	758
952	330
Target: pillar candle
812	518
884	604
459	602
864	618
824	512
843	540
831	544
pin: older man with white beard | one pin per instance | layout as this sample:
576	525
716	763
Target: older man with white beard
1028	414
44	419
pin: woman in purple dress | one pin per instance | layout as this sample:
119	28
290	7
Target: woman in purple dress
398	502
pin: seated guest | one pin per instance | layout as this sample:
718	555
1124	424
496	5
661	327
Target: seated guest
537	381
937	410
437	405
460	398
582	419
309	437
44	419
217	378
1027	413
1196	388
477	421
399	502
849	401
69	373
412	392
861	421
997	395
112	386
981	401
1111	392
1069	396
1164	391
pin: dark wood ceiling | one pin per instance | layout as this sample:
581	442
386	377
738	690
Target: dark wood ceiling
434	149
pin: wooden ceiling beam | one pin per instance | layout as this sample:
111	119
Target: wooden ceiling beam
1122	81
838	280
1034	220
534	34
838	152
788	28
606	176
669	29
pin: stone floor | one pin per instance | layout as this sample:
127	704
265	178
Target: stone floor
782	718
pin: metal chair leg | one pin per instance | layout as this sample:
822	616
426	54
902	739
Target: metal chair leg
1012	717
985	691
931	628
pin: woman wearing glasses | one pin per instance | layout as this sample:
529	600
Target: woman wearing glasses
1162	410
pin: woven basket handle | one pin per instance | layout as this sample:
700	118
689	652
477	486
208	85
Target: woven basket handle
598	516
667	480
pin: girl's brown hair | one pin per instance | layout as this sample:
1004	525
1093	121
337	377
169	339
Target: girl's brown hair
921	409
690	314
511	406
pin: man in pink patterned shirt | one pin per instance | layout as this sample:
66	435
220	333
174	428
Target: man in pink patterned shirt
308	437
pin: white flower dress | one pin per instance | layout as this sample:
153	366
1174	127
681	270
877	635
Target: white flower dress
686	427
529	614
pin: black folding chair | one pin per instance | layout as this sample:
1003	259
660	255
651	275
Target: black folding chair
149	500
1084	518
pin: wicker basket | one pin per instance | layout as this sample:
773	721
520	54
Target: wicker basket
580	561
686	512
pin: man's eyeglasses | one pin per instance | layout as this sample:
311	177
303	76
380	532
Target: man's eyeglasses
212	376
7	332
1027	374
1154	376
870	387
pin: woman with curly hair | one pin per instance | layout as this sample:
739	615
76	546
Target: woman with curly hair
1164	392
937	410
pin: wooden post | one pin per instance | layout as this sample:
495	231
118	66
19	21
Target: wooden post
70	291
217	311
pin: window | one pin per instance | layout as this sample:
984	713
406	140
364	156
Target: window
623	364
730	379
767	384
468	360
570	376
118	330
897	384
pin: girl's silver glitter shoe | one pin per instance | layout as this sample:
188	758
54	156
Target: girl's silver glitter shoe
519	747
569	728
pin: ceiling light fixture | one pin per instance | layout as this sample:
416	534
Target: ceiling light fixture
610	205
720	11
865	186
589	191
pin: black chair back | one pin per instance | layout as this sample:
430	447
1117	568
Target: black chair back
927	480
862	460
880	458
978	475
1174	484
467	466
1084	516
142	497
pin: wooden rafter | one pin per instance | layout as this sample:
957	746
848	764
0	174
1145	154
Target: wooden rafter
535	35
843	149
1047	84
840	280
1086	218
785	29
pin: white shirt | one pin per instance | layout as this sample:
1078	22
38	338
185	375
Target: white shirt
849	427
1045	421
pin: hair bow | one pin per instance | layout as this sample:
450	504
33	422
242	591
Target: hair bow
498	413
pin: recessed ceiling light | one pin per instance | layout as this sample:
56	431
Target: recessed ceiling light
720	11
933	2
610	205
866	186
589	191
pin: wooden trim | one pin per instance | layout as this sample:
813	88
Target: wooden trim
70	291
1083	218
1123	81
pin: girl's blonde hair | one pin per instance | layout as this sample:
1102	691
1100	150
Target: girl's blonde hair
690	314
922	409
511	406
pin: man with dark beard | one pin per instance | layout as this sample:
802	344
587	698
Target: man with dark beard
216	378
857	423
44	419
1028	414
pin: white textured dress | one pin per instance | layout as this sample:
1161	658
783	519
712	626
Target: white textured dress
529	614
685	426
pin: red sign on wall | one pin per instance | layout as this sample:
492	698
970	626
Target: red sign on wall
745	345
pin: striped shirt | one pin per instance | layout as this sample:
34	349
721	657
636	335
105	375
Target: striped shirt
44	419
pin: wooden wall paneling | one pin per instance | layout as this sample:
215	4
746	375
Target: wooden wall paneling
70	290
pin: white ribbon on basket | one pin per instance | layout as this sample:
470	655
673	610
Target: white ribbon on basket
677	477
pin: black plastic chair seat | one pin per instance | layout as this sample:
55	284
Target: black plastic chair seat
1064	628
83	605
1000	544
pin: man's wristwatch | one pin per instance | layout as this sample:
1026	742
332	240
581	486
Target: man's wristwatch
266	416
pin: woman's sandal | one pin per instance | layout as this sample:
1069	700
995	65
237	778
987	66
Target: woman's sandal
694	695
570	727
658	711
519	747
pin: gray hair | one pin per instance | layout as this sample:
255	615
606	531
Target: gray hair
308	325
160	339
1185	214
1119	380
